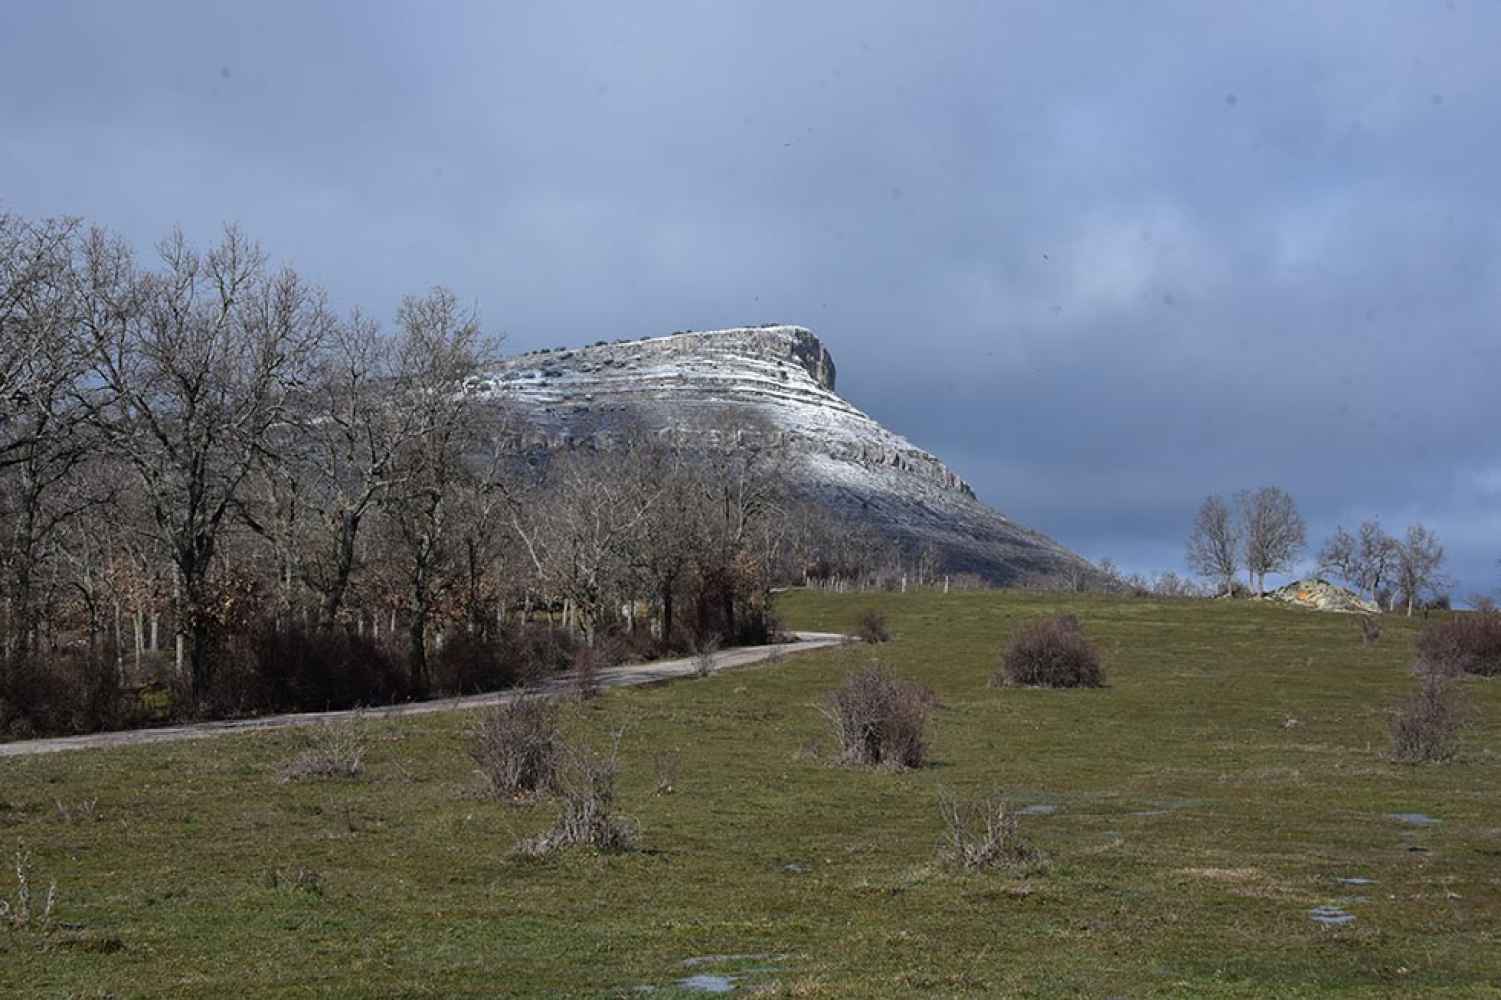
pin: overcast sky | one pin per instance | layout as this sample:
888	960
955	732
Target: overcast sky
1103	259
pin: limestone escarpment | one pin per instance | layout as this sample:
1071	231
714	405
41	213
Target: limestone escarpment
686	383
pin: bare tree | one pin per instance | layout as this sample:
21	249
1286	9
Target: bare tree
580	525
1367	563
1273	532
43	439
1419	558
441	349
360	420
741	484
662	552
194	365
1214	544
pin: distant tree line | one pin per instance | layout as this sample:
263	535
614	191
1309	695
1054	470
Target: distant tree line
1262	532
218	495
1405	571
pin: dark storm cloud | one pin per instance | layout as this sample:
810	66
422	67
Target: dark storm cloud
1101	258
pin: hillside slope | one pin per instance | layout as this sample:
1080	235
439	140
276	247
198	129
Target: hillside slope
785	377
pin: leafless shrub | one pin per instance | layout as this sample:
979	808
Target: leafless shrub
519	747
1467	643
667	763
22	913
85	809
1370	630
1425	728
1050	652
332	750
981	833
872	627
879	720
703	656
812	749
1483	603
587	816
295	878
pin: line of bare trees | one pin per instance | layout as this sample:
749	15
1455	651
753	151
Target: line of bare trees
208	474
1262	532
1259	531
1390	571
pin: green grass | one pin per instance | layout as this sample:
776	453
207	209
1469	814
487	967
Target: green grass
170	889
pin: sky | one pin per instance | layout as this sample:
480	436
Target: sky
1101	258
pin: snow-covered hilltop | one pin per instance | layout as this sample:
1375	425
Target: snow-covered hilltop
784	376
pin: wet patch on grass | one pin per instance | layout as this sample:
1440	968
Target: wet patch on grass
1038	809
706	983
1330	916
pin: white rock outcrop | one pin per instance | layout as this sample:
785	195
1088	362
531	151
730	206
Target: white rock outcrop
1321	595
686	382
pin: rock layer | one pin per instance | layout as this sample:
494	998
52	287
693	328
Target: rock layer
784	377
1321	595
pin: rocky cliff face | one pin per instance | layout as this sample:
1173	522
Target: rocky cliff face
784	376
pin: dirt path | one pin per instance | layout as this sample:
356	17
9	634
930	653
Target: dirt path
627	675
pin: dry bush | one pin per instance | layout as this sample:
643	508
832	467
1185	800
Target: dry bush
469	663
872	627
539	651
65	692
668	763
84	809
879	720
703	656
331	750
519	747
1467	643
292	669
1370	630
295	878
981	833
1050	652
1425	728
22	912
587	817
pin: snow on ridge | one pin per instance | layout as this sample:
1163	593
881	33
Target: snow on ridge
782	372
784	375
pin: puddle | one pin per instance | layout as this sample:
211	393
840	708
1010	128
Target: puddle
704	983
797	868
697	960
1357	880
1042	809
1330	916
1414	819
1165	806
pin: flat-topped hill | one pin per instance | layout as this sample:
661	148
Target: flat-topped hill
782	378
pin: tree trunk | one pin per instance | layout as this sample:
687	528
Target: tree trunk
417	652
667	589
202	664
333	600
727	602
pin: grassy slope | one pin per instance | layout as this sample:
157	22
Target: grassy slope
1210	897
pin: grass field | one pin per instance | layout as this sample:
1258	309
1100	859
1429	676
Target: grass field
1208	798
